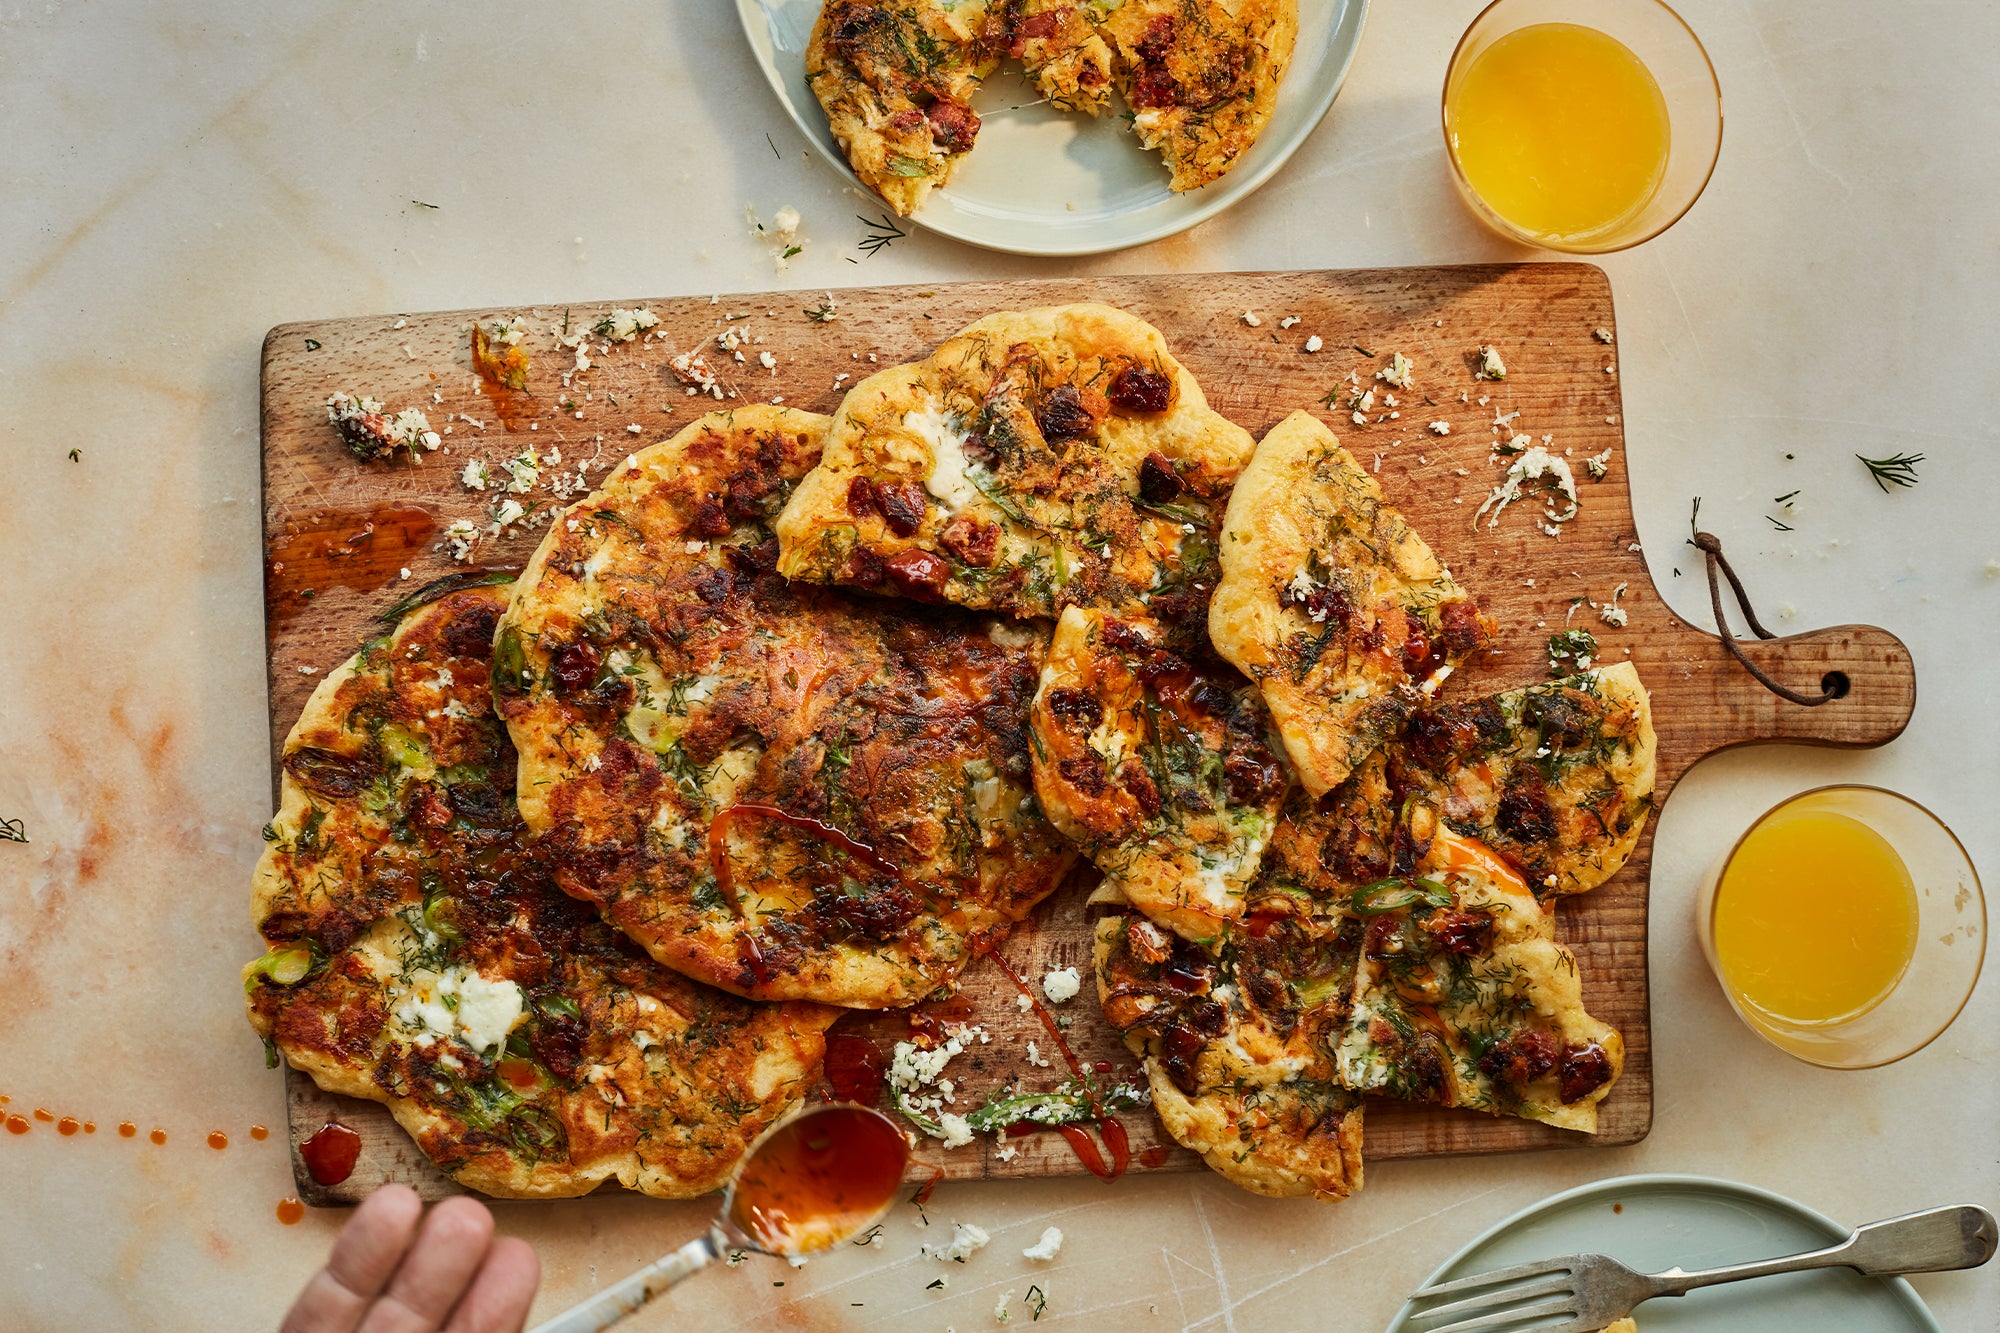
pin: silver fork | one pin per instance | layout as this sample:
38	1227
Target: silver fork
1587	1291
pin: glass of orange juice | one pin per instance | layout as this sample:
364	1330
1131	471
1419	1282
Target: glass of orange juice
1581	125
1847	926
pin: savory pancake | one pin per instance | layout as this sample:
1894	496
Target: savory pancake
1165	773
1059	48
1332	603
418	955
1039	459
896	79
775	788
1201	76
1462	997
1556	778
1238	1046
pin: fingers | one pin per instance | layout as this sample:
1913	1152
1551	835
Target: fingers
363	1259
502	1290
448	1250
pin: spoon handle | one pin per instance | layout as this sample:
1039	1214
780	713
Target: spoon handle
612	1304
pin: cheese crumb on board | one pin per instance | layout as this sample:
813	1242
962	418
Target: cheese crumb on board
1536	465
1440	428
1314	343
1061	985
1491	367
1397	373
1044	1250
1250	318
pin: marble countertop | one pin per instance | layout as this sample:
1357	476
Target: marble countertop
175	179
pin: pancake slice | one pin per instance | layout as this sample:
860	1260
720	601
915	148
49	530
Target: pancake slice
1462	997
896	79
1037	460
1164	772
1059	48
772	787
1556	778
419	956
1237	1046
1332	603
1201	76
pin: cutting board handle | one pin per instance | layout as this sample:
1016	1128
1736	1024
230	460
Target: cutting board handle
1711	703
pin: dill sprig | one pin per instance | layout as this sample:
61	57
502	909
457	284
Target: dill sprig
1895	470
880	235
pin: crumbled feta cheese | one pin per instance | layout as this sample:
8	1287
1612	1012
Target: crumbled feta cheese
966	1239
1061	985
1001	1314
1250	318
1602	335
622	326
1598	464
1440	428
1314	343
1044	1250
1397	374
957	1133
475	476
1537	464
1024	1002
523	471
1491	367
461	536
1288	321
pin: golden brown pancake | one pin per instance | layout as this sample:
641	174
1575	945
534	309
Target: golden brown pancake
419	956
1238	1045
778	789
1164	771
1331	602
1039	459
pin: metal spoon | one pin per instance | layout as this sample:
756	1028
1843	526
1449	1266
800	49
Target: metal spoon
808	1183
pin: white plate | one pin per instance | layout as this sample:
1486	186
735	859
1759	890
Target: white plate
1656	1222
1048	182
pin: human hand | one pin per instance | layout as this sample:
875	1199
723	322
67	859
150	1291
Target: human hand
387	1274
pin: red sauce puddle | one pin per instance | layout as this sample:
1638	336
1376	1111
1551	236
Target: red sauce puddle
290	1211
17	1124
159	1137
218	1140
126	1129
1112	1130
363	549
332	1151
259	1133
1153	1157
854	1068
68	1125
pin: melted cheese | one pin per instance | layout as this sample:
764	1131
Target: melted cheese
945	437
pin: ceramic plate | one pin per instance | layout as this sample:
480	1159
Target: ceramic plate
1047	182
1656	1222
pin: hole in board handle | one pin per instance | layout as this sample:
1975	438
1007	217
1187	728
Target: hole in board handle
1836	684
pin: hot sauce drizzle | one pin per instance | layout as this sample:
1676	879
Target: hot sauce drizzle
17	1124
158	1136
330	1154
218	1140
1113	1130
68	1125
259	1133
290	1211
718	864
126	1129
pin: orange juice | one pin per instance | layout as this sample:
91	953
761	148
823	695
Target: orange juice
1560	130
1815	919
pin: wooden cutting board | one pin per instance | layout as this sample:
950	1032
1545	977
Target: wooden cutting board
344	539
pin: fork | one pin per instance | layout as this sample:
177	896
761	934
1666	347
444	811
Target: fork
1588	1291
